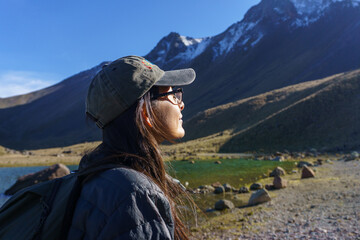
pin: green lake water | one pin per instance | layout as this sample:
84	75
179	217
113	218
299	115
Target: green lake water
236	172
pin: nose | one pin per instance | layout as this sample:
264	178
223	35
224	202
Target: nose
182	105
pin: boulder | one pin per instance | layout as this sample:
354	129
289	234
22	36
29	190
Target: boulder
309	154
278	171
216	184
268	158
206	189
277	154
297	155
227	187
219	190
319	162
354	154
269	187
224	204
217	162
52	172
278	159
279	182
259	196
313	150
307	172
256	186
348	158
243	190
303	163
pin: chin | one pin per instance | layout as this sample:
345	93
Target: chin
180	134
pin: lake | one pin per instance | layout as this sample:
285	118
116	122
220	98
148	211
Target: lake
237	172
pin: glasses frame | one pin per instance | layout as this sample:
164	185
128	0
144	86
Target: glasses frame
159	95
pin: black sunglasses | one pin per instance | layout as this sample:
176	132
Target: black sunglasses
176	99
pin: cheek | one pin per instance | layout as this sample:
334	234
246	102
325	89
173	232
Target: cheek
160	112
168	116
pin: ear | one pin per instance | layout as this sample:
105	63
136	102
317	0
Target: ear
146	118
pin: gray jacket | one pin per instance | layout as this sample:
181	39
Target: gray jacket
121	203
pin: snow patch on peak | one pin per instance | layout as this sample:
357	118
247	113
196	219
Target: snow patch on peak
194	48
235	33
278	10
305	7
259	37
308	7
310	11
190	41
180	49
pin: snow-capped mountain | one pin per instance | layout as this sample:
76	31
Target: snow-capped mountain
175	50
278	43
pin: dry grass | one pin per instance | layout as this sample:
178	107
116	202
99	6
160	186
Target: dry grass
204	148
246	124
70	155
2	151
19	160
322	114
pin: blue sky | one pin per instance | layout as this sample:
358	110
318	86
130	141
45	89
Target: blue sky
45	41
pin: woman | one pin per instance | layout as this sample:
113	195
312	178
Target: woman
135	105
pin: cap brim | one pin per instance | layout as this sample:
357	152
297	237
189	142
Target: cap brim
179	77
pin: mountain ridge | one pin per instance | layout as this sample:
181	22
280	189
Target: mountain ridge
322	113
262	52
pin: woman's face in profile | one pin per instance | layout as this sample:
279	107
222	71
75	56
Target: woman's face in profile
169	114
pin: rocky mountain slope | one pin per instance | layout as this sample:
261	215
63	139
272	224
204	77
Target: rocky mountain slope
277	44
322	114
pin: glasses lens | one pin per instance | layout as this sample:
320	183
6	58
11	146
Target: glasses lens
178	97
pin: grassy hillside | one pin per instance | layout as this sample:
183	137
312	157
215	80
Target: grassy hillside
2	150
26	98
324	114
53	120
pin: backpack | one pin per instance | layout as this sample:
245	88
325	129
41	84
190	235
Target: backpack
44	210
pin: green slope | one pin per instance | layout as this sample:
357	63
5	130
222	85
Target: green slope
324	114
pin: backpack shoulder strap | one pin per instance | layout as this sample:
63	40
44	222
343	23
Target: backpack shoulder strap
82	177
47	205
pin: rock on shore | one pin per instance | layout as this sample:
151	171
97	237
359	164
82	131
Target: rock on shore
325	207
259	196
52	172
307	172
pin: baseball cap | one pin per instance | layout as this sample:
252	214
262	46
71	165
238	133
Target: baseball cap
121	83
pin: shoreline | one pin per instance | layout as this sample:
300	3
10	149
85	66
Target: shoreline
324	207
33	158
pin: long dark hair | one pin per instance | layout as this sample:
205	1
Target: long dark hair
129	142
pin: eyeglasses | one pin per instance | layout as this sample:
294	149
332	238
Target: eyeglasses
175	97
